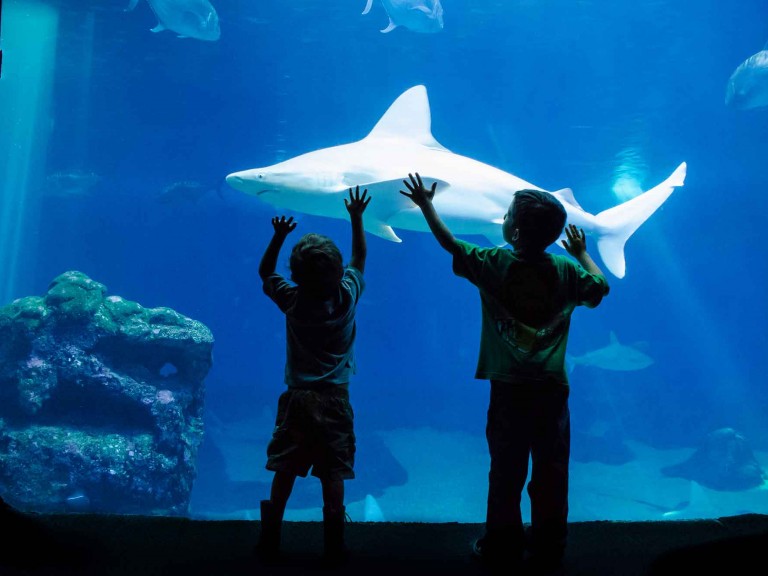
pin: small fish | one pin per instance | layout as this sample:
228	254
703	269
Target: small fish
748	85
416	15
188	18
615	356
71	183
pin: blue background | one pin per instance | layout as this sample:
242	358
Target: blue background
557	92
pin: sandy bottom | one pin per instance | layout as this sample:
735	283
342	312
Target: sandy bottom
447	482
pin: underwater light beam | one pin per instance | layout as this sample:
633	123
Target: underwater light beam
25	97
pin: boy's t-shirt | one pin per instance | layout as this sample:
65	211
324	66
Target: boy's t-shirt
526	310
320	334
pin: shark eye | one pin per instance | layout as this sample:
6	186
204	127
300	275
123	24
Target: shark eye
261	176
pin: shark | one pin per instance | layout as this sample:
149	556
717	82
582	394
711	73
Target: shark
416	15
748	85
471	197
615	356
188	18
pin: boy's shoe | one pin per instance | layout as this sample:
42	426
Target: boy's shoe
493	552
335	552
267	548
544	565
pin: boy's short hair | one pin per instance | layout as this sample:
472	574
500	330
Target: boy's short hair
540	217
316	263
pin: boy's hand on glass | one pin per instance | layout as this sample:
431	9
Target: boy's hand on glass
418	193
282	226
576	243
357	202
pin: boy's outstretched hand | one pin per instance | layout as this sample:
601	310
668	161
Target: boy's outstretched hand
357	203
576	244
419	194
282	226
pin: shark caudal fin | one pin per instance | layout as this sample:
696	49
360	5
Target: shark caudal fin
617	224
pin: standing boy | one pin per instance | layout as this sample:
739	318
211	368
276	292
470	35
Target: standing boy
527	298
314	424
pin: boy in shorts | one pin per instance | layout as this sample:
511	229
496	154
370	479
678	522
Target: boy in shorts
314	424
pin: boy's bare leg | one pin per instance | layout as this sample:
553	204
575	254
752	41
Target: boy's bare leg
282	486
333	493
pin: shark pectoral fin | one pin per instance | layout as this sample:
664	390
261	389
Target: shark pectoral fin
389	28
131	5
367	7
158	28
378	228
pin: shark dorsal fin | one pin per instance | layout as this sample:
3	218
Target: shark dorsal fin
614	340
408	118
566	195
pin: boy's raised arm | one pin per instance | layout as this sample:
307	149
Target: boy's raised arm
282	228
356	205
423	199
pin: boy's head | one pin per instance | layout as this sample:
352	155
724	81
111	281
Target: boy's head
535	220
316	264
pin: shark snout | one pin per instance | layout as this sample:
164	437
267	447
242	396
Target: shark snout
235	180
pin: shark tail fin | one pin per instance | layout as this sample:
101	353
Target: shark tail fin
368	7
617	224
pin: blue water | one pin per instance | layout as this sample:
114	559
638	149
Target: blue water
560	93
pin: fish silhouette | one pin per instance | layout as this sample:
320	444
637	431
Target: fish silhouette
416	15
748	85
615	356
188	18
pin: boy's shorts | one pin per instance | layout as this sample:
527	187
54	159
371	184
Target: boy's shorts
314	429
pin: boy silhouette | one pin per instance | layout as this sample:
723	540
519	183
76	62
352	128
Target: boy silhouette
314	423
527	298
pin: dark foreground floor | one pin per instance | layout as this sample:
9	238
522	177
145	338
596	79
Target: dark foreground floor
148	545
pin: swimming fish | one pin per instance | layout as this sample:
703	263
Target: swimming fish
748	85
184	192
71	183
416	15
615	356
472	197
188	18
